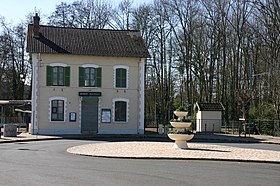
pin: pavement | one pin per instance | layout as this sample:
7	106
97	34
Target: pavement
162	148
27	137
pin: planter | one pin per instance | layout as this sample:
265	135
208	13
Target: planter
180	114
180	140
177	124
180	135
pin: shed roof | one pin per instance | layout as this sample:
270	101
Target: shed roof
97	42
209	106
15	102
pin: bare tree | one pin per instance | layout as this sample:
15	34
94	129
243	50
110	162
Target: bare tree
14	67
123	15
90	14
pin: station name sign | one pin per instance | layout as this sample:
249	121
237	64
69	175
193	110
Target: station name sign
89	93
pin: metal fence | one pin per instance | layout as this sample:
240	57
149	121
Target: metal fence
7	120
19	121
207	125
268	127
231	127
262	127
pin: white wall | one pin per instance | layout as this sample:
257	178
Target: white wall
208	121
42	93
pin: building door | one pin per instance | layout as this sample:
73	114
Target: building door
89	114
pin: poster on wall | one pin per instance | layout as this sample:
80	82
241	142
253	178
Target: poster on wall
106	116
72	116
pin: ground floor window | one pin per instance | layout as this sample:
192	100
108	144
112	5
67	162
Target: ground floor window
57	109
120	110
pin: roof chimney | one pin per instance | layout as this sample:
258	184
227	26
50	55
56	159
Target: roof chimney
36	20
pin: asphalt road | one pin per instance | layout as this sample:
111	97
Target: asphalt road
48	163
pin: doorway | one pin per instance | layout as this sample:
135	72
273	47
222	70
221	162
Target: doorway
89	114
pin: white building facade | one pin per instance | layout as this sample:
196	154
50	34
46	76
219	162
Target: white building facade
86	81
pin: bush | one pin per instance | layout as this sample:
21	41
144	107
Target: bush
181	109
263	111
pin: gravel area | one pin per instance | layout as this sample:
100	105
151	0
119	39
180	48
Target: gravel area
165	150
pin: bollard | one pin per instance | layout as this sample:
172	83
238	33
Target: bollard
160	129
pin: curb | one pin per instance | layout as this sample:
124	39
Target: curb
141	136
120	136
170	158
27	140
238	141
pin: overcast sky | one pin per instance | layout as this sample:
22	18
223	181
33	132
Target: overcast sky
15	11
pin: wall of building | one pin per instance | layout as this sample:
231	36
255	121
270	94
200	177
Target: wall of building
208	121
43	93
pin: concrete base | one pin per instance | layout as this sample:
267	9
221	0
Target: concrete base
180	145
10	130
180	140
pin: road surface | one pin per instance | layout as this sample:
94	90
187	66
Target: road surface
48	163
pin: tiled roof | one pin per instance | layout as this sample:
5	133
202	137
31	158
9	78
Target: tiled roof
210	106
117	43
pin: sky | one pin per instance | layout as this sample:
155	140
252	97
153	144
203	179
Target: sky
15	11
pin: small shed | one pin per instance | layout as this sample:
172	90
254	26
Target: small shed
209	117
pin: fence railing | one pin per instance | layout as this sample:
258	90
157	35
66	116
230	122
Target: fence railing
231	127
208	125
7	120
18	121
263	127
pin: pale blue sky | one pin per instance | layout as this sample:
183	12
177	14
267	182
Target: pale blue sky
15	11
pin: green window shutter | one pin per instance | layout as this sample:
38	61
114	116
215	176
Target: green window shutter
98	77
120	111
67	76
49	76
81	76
118	77
123	78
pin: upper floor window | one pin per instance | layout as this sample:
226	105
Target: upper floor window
58	75
121	76
90	77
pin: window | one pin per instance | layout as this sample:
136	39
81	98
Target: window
57	110
58	76
120	110
121	76
89	77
